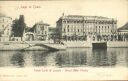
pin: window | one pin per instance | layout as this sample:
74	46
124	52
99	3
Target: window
64	21
68	27
38	32
42	28
108	27
2	25
68	30
64	30
78	30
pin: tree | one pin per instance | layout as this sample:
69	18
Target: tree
22	25
18	27
15	30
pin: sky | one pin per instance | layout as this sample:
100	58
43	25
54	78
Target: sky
50	11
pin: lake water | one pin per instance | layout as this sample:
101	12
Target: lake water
71	57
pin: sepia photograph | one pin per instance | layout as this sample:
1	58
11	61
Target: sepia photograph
63	40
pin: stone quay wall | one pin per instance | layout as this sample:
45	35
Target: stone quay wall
89	43
117	44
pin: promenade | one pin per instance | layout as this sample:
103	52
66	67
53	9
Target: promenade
31	45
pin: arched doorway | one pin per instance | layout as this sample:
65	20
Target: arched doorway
29	36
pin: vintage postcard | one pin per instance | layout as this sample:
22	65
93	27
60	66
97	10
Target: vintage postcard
63	40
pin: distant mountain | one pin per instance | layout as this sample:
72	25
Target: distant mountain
124	27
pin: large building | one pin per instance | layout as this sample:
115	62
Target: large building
77	27
5	28
123	33
41	30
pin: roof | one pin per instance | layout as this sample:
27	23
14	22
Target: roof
41	22
52	28
86	17
2	15
27	29
124	27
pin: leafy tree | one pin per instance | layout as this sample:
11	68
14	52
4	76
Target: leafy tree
18	27
15	28
21	24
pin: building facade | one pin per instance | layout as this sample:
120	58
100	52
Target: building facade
52	31
41	30
123	33
77	27
5	28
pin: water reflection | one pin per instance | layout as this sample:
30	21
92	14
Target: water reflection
17	59
73	57
101	57
39	59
